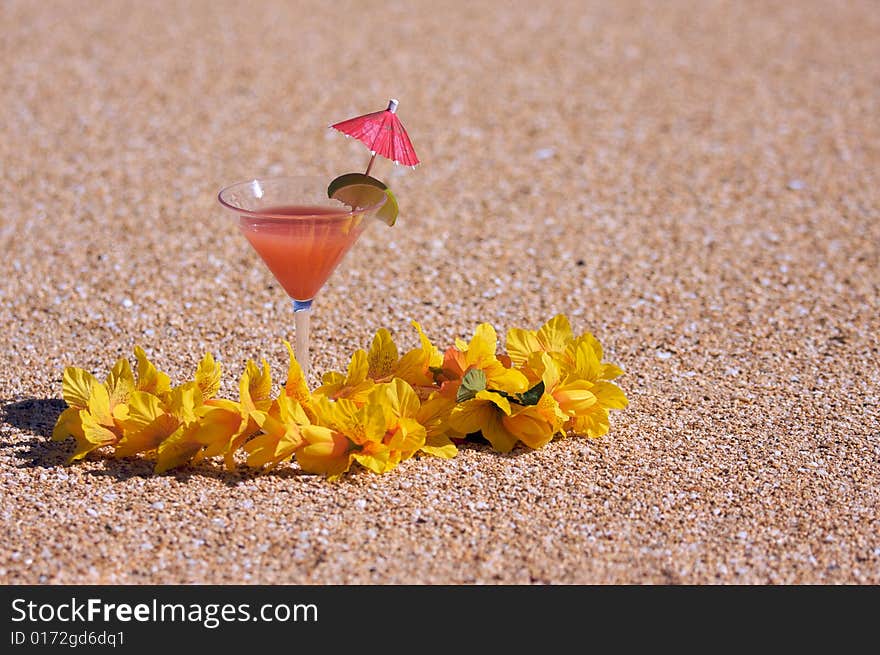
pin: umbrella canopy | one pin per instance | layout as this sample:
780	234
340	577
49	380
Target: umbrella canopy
383	133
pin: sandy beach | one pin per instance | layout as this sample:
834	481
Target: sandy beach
694	183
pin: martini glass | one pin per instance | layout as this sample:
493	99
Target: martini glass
300	234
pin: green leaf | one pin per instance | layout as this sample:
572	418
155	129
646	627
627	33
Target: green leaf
533	395
472	382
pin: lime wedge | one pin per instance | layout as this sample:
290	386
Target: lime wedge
359	190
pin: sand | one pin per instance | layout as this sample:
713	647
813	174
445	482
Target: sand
694	183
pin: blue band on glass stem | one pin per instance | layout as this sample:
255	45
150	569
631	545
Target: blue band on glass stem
301	305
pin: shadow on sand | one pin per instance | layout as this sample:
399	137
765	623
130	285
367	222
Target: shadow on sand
35	418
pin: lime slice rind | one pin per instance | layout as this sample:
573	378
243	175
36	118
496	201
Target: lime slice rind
359	190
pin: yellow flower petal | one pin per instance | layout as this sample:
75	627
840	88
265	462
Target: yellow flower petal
291	412
95	433
120	382
99	405
208	376
295	387
120	413
266	449
593	424
378	460
332	383
149	378
472	415
552	412
143	409
148	437
555	334
497	399
439	445
356	386
371	426
593	343
434	415
77	387
551	376
575	397
587	365
504	379
433	355
68	424
270	425
325	451
94	436
401	398
413	367
610	395
529	426
483	344
221	430
259	381
408	436
358	368
520	344
382	356
610	371
183	401
495	432
177	449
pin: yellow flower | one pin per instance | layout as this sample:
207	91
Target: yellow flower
98	426
77	389
354	386
149	378
525	347
572	371
553	336
208	376
327	448
295	386
573	394
325	451
480	354
382	363
221	426
534	425
96	410
119	384
483	413
385	409
584	365
281	436
584	357
159	425
378	435
434	415
533	417
415	367
164	419
402	436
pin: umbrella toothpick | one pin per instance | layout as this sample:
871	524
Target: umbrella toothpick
370	165
383	133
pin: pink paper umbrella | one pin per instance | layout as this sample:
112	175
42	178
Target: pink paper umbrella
383	133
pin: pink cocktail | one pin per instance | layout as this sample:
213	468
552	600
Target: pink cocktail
300	234
301	245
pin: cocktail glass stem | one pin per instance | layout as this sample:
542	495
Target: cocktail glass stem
302	311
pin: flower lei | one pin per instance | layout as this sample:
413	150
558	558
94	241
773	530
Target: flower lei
383	410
